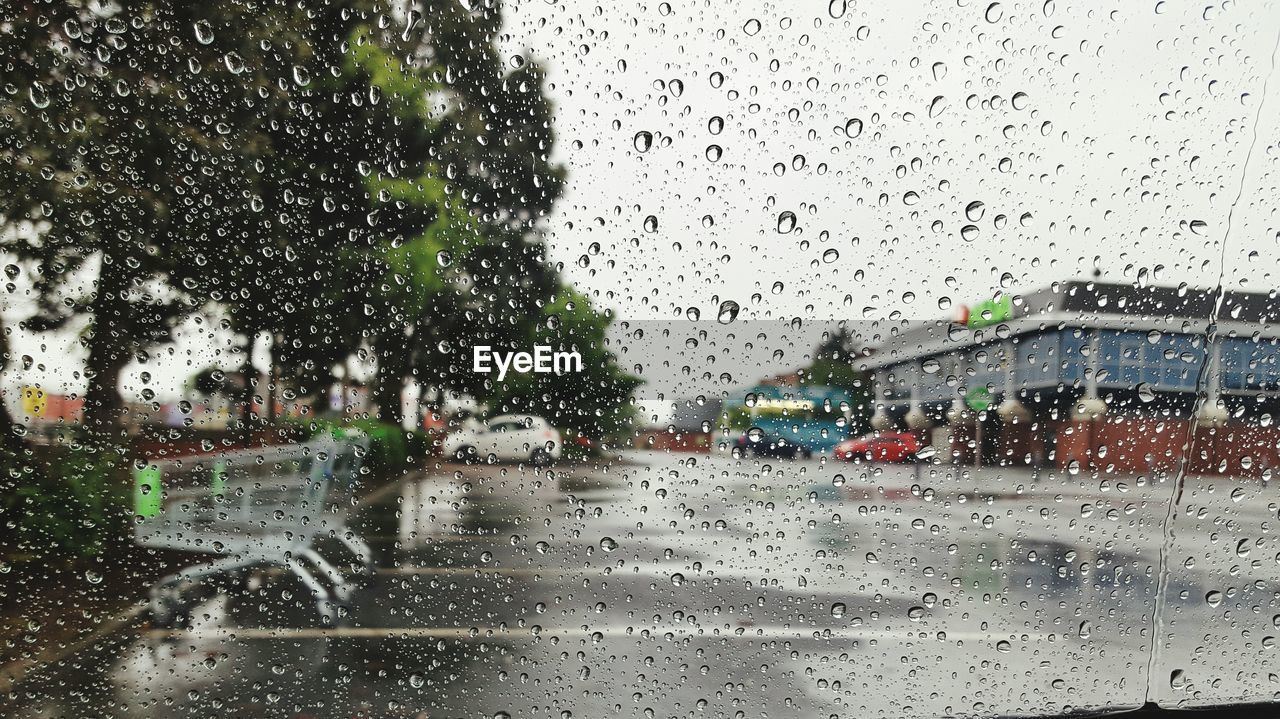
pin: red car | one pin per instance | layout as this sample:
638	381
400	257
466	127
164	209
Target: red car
879	447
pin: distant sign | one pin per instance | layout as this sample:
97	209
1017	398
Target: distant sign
978	399
986	313
800	405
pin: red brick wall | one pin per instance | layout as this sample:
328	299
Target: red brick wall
674	442
156	448
1141	444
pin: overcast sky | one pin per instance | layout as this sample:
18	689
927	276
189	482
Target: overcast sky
1092	133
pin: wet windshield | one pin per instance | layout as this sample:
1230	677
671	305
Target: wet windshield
500	359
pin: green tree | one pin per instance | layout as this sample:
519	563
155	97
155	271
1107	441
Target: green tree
835	365
127	148
480	273
594	403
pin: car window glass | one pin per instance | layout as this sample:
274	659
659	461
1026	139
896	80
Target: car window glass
484	358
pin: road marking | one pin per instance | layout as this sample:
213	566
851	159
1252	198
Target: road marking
426	540
519	633
472	571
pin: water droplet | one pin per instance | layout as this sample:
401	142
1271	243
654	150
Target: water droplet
786	222
931	366
751	27
838	609
1213	598
714	152
1086	628
728	312
969	233
938	106
915	614
677	579
234	63
837	8
1177	679
417	680
853	128
643	141
39	96
204	32
1019	101
1145	393
830	255
651	224
715	125
92	577
608	544
994	12
1004	646
443	258
975	210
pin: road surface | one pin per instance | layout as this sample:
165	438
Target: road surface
693	585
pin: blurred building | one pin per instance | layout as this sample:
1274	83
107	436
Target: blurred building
1100	375
691	429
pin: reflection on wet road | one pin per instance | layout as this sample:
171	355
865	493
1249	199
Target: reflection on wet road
683	585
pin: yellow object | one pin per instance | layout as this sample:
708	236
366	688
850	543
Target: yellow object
34	402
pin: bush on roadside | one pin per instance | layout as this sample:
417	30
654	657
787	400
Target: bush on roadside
72	506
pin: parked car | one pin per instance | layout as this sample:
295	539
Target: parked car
764	444
879	447
508	437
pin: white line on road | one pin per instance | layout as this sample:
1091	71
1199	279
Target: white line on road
525	633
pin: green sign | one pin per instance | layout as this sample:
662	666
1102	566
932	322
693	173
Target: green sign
978	399
219	481
991	312
146	491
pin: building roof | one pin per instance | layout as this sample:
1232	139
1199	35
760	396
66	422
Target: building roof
1088	304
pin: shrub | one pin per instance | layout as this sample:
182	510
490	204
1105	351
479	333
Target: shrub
72	505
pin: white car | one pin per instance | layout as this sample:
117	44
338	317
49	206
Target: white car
508	437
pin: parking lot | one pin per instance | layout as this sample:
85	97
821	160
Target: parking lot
672	584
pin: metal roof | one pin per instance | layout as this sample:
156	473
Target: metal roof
1090	304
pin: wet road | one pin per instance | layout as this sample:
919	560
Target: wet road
671	586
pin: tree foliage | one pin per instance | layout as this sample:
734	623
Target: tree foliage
342	177
835	365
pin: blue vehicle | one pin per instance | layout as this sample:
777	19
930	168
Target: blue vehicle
789	421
